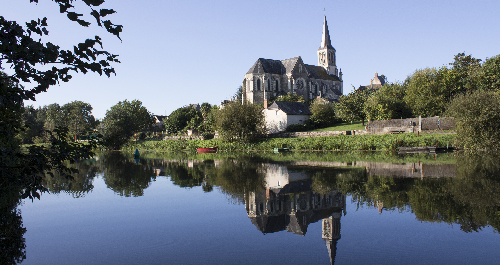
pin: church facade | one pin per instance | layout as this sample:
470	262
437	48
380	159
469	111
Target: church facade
269	78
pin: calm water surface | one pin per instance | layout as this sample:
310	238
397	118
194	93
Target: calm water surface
270	209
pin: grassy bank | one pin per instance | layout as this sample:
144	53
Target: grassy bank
386	142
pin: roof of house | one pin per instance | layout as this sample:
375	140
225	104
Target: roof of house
291	108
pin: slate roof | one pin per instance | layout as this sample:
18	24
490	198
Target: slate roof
270	66
291	108
318	72
289	64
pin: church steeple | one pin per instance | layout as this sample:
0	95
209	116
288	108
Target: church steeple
326	52
325	38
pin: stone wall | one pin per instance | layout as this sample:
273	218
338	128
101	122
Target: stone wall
315	134
410	125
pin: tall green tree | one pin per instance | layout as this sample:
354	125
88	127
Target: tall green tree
477	117
428	91
489	74
122	120
242	122
463	74
351	107
33	120
182	118
323	112
387	103
78	117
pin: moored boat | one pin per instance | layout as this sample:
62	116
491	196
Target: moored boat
207	150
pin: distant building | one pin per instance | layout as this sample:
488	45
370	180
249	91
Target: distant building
268	78
195	106
160	120
376	83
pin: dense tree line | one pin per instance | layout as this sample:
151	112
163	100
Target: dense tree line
76	116
467	90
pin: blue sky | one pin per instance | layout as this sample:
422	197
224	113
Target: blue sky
179	52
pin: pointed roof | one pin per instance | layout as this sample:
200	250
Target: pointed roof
325	38
262	66
289	64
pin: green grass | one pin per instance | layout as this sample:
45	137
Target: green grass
386	142
345	126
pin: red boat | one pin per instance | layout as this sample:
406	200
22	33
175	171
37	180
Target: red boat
207	150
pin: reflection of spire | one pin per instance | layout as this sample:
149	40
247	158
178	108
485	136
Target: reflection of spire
331	234
380	206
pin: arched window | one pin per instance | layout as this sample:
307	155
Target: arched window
258	84
268	87
276	85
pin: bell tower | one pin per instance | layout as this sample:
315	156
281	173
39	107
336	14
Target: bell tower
326	52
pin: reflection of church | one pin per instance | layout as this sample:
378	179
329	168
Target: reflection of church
288	203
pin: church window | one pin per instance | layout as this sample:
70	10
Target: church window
276	85
268	84
258	84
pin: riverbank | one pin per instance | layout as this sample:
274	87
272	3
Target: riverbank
387	142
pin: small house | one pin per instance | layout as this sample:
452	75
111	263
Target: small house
281	114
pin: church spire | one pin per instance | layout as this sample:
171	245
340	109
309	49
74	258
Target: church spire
325	38
326	53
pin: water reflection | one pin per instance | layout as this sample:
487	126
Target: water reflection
12	242
289	203
78	184
291	195
125	177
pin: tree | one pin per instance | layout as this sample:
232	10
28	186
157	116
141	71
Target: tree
84	57
351	107
121	122
238	96
290	97
323	112
180	118
244	122
462	74
477	117
488	77
387	103
428	91
78	117
45	64
33	125
207	128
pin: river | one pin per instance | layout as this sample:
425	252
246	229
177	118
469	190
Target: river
301	208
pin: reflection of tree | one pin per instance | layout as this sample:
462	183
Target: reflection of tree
238	177
472	199
124	176
12	245
77	184
187	177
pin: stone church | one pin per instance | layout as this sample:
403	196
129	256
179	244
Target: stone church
269	78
